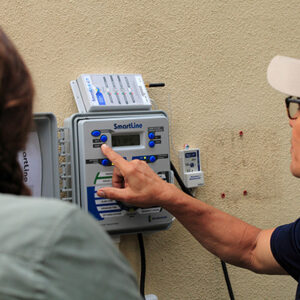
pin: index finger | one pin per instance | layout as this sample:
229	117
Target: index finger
114	157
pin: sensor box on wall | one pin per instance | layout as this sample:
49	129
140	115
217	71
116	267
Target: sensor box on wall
190	166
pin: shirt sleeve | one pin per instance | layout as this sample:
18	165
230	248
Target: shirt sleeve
83	263
285	246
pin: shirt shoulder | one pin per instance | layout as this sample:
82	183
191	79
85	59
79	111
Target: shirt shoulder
97	269
53	250
285	246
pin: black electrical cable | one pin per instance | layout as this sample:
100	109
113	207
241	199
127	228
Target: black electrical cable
143	264
224	268
225	271
179	180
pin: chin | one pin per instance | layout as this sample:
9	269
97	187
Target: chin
295	170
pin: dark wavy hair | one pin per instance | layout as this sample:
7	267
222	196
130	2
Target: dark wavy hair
16	100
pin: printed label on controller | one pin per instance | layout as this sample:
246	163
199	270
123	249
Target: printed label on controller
103	179
101	207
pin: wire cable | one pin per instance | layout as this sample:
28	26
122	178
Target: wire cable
143	264
179	180
225	271
224	267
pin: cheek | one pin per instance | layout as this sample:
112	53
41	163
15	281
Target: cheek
296	132
295	163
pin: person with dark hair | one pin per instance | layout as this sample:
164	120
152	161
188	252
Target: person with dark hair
16	100
48	249
270	251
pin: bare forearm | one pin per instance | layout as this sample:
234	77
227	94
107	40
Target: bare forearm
228	237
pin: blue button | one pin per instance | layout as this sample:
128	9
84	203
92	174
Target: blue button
152	158
96	133
151	144
151	135
192	165
105	162
103	138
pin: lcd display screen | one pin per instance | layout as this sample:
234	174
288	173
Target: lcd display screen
125	140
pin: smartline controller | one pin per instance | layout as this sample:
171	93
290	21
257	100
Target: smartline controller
123	121
145	138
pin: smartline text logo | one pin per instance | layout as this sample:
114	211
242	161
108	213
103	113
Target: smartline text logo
131	125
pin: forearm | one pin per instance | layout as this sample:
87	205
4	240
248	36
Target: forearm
228	237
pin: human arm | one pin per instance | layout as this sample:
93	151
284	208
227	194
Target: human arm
231	239
228	237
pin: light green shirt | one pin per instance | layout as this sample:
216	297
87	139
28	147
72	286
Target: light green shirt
52	250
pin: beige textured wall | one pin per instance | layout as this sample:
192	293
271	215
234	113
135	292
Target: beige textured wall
213	57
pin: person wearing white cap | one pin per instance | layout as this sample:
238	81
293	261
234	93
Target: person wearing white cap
268	251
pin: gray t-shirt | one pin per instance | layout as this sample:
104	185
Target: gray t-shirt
52	250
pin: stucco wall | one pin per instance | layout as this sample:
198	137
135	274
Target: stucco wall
213	57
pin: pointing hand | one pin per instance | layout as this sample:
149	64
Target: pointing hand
134	182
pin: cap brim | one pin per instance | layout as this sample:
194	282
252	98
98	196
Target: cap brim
284	75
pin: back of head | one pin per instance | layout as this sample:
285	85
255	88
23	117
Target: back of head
16	99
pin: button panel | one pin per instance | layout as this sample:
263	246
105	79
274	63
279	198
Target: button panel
146	158
97	170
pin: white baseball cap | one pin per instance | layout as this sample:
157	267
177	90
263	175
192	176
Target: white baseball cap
284	75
